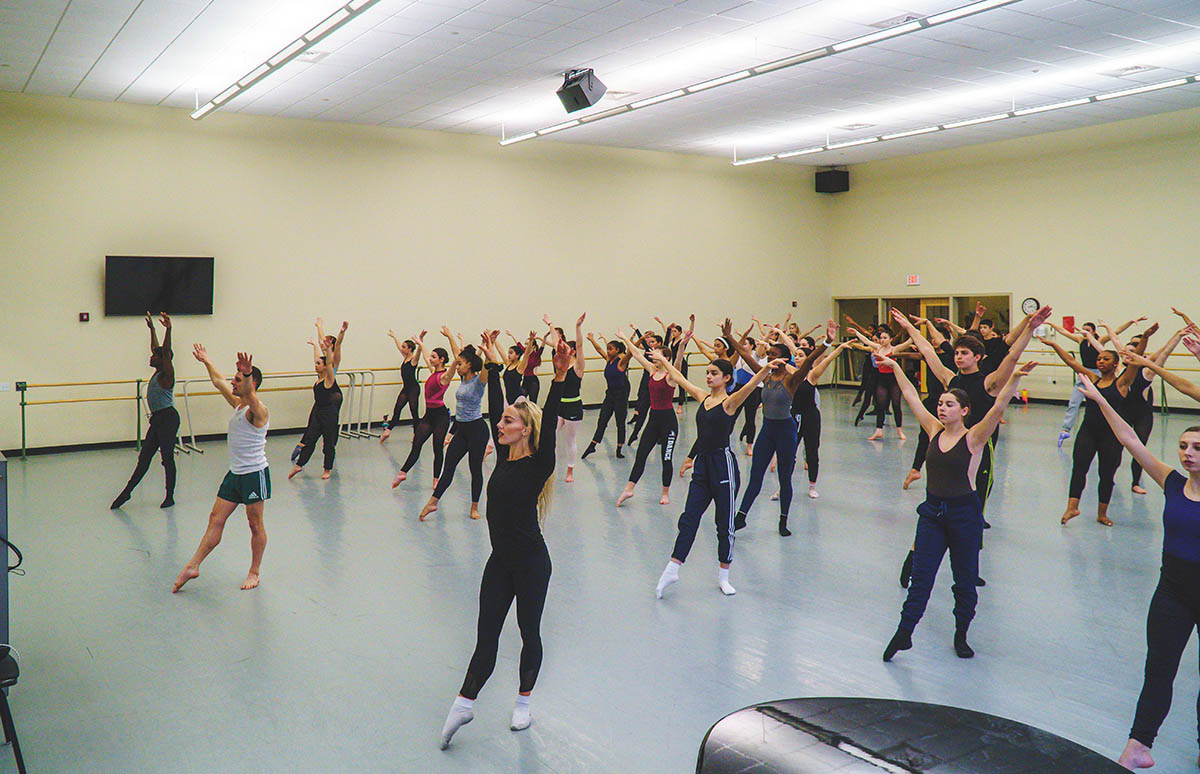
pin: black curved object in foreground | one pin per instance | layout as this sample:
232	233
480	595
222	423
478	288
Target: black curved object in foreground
885	736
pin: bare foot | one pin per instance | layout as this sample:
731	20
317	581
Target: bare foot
749	450
1138	490
489	450
1136	756
666	497
429	508
900	434
325	474
251	581
399	479
1105	521
434	483
912	476
875	436
772	465
295	469
806	464
625	495
1069	514
679	411
570	474
475	514
448	439
1003	421
386	435
185	575
685	467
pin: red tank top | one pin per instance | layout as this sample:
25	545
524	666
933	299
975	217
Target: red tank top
661	393
435	391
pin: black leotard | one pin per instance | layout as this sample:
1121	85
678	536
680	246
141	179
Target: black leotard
408	377
713	428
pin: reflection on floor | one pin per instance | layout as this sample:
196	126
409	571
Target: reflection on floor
870	736
348	656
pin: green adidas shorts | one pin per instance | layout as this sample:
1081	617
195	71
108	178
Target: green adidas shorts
246	488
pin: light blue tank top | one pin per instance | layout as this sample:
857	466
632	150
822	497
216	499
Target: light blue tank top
467	400
158	398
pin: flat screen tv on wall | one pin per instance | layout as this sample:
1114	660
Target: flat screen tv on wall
136	284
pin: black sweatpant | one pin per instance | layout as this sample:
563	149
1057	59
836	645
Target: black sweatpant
1174	613
435	423
661	428
887	393
412	399
615	406
524	578
750	407
810	434
322	424
641	407
1090	442
1142	426
160	438
954	523
715	479
470	439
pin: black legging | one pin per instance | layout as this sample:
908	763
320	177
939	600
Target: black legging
531	386
322	423
1142	426
435	423
869	380
410	398
750	406
641	407
1091	441
887	393
1174	613
160	437
683	396
810	433
615	406
661	429
525	578
471	439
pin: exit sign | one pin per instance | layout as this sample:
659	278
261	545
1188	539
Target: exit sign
914	279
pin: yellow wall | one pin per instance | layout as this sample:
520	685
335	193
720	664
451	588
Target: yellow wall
1097	222
385	228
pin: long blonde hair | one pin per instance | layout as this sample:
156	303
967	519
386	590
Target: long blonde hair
531	415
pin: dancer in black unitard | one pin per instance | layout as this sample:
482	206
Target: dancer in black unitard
163	431
519	565
410	388
327	403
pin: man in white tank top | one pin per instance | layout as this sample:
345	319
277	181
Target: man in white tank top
248	481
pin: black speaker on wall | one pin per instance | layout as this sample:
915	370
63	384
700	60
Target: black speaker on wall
581	89
833	181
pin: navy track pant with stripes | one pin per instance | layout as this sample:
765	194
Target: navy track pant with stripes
715	479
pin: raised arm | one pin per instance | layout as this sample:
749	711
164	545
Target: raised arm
929	423
739	345
934	336
337	346
580	355
634	350
850	323
1188	388
818	369
1129	373
454	345
153	333
1011	337
978	435
804	367
1120	329
257	414
1075	337
596	346
936	366
954	327
1187	321
1110	336
1156	468
495	397
980	311
705	349
1165	350
739	396
1065	356
996	379
214	375
166	377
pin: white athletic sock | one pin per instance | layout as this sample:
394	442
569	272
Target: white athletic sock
521	717
669	576
723	582
812	490
461	713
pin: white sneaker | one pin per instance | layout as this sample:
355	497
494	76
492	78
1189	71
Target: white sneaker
813	494
775	496
521	717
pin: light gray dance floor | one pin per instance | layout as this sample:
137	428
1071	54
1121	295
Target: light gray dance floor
348	656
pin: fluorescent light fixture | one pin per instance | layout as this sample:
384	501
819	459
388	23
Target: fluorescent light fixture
641	103
974	121
724	79
557	127
324	28
604	114
875	37
518	138
909	133
967	10
288	51
328	25
205	110
1053	106
1142	89
826	51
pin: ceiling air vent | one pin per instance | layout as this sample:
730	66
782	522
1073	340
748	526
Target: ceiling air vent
312	56
896	21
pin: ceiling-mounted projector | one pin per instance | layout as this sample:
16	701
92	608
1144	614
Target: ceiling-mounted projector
581	89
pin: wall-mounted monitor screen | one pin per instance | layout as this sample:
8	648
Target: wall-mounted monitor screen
136	284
